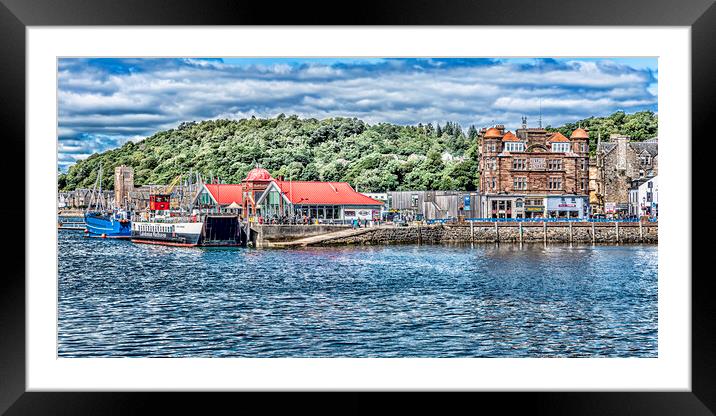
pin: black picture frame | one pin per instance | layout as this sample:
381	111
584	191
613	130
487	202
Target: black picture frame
16	15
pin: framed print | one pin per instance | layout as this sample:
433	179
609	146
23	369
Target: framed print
446	197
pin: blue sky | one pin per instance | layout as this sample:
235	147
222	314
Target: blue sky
105	102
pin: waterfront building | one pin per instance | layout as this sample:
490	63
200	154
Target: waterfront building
534	173
259	194
382	197
644	197
220	197
596	192
620	162
431	205
79	198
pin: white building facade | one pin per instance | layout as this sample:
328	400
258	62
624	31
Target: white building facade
644	199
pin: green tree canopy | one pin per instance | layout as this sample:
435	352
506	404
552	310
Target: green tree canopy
375	158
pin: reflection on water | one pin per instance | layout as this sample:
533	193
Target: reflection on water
121	299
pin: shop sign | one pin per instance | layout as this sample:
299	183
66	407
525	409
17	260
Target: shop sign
610	207
534	208
564	204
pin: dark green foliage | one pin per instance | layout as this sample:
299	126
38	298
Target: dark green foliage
373	158
639	126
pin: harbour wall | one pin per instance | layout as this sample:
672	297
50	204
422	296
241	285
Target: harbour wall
264	234
573	232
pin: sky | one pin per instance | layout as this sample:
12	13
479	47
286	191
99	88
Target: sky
105	102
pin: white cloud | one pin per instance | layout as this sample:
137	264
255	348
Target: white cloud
107	105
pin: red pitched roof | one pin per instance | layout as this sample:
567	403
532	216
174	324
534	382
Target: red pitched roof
509	137
328	193
557	137
225	194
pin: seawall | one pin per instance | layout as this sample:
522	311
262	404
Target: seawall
573	232
265	234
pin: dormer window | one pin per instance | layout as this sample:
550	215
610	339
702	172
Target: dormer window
560	147
514	147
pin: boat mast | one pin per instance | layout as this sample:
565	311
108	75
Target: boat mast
100	199
94	197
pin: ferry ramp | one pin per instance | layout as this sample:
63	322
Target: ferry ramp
321	238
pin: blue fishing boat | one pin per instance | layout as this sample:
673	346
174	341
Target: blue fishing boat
108	224
105	222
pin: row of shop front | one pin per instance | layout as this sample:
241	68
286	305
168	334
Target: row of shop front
534	206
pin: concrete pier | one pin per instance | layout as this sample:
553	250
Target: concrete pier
487	232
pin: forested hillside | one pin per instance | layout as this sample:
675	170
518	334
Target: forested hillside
639	126
370	157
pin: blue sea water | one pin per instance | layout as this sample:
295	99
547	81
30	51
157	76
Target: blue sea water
119	299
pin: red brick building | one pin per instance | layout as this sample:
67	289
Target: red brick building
533	173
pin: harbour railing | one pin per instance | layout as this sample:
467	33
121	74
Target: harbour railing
539	220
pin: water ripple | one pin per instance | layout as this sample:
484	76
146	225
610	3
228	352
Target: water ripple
121	299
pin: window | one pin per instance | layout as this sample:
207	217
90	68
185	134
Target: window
534	202
554	164
584	163
554	183
645	160
519	183
514	147
494	184
537	164
518	164
560	147
492	163
584	184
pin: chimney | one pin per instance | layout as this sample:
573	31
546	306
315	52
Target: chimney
621	142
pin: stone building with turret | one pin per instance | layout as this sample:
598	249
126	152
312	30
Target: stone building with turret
619	162
534	173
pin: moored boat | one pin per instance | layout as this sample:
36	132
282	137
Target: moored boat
176	227
108	224
104	222
216	230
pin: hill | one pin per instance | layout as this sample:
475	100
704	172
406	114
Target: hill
370	157
639	126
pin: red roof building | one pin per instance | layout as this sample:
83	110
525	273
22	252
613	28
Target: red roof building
259	194
323	193
225	194
557	137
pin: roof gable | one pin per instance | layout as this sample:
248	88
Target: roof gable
225	194
327	193
557	137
